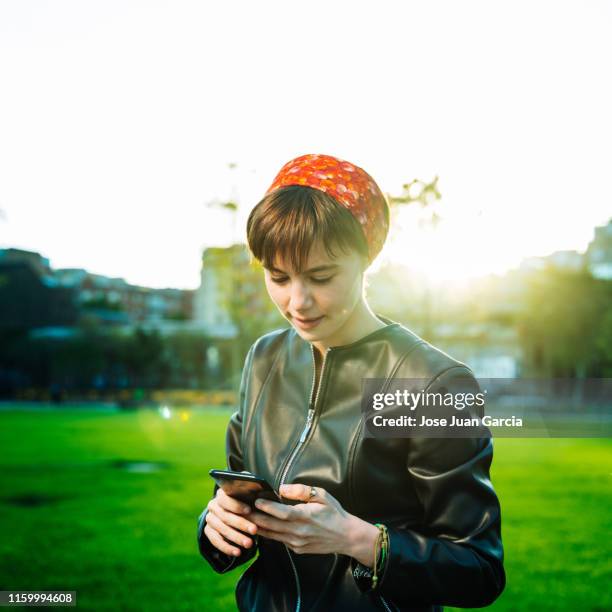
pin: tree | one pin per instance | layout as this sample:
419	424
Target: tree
562	320
425	195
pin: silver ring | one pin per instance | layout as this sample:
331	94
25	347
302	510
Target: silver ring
313	492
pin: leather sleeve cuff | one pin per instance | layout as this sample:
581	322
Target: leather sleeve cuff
363	574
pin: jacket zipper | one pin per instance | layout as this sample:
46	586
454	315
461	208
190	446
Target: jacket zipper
385	604
311	411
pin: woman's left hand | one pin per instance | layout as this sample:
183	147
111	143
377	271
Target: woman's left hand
320	525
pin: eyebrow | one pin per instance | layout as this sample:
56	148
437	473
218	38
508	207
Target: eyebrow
325	268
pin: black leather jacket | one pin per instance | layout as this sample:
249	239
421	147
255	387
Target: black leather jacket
433	494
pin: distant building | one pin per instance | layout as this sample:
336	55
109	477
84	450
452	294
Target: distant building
599	252
532	264
567	260
561	260
597	259
232	298
38	263
29	294
114	300
211	301
34	295
490	350
228	283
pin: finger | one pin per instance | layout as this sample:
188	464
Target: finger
281	536
231	535
281	511
273	535
228	532
237	521
301	492
220	543
263	520
231	503
296	539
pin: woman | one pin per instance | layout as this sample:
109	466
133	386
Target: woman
382	523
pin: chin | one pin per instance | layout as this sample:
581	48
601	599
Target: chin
311	334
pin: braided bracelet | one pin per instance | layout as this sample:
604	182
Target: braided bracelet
381	549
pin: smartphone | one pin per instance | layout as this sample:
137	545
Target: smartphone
247	487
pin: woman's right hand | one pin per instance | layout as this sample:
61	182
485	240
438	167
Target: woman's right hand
225	519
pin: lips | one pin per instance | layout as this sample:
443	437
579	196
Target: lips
307	323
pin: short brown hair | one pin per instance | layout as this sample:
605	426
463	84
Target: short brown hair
288	221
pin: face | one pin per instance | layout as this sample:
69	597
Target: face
321	302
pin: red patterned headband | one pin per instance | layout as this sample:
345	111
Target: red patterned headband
349	185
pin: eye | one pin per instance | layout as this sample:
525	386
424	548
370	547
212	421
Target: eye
322	281
280	280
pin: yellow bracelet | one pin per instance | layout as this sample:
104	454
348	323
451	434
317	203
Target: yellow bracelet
378	545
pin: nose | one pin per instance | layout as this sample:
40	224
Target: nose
300	299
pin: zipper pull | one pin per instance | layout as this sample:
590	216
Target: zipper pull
308	424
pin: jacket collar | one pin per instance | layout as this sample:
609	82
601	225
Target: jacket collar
376	334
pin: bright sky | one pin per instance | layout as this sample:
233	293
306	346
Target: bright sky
118	121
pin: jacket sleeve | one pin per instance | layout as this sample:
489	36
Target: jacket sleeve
455	557
218	560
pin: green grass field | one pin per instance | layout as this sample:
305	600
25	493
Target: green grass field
71	519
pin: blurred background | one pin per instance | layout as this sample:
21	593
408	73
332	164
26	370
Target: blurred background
135	138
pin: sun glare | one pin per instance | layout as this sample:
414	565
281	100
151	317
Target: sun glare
455	251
